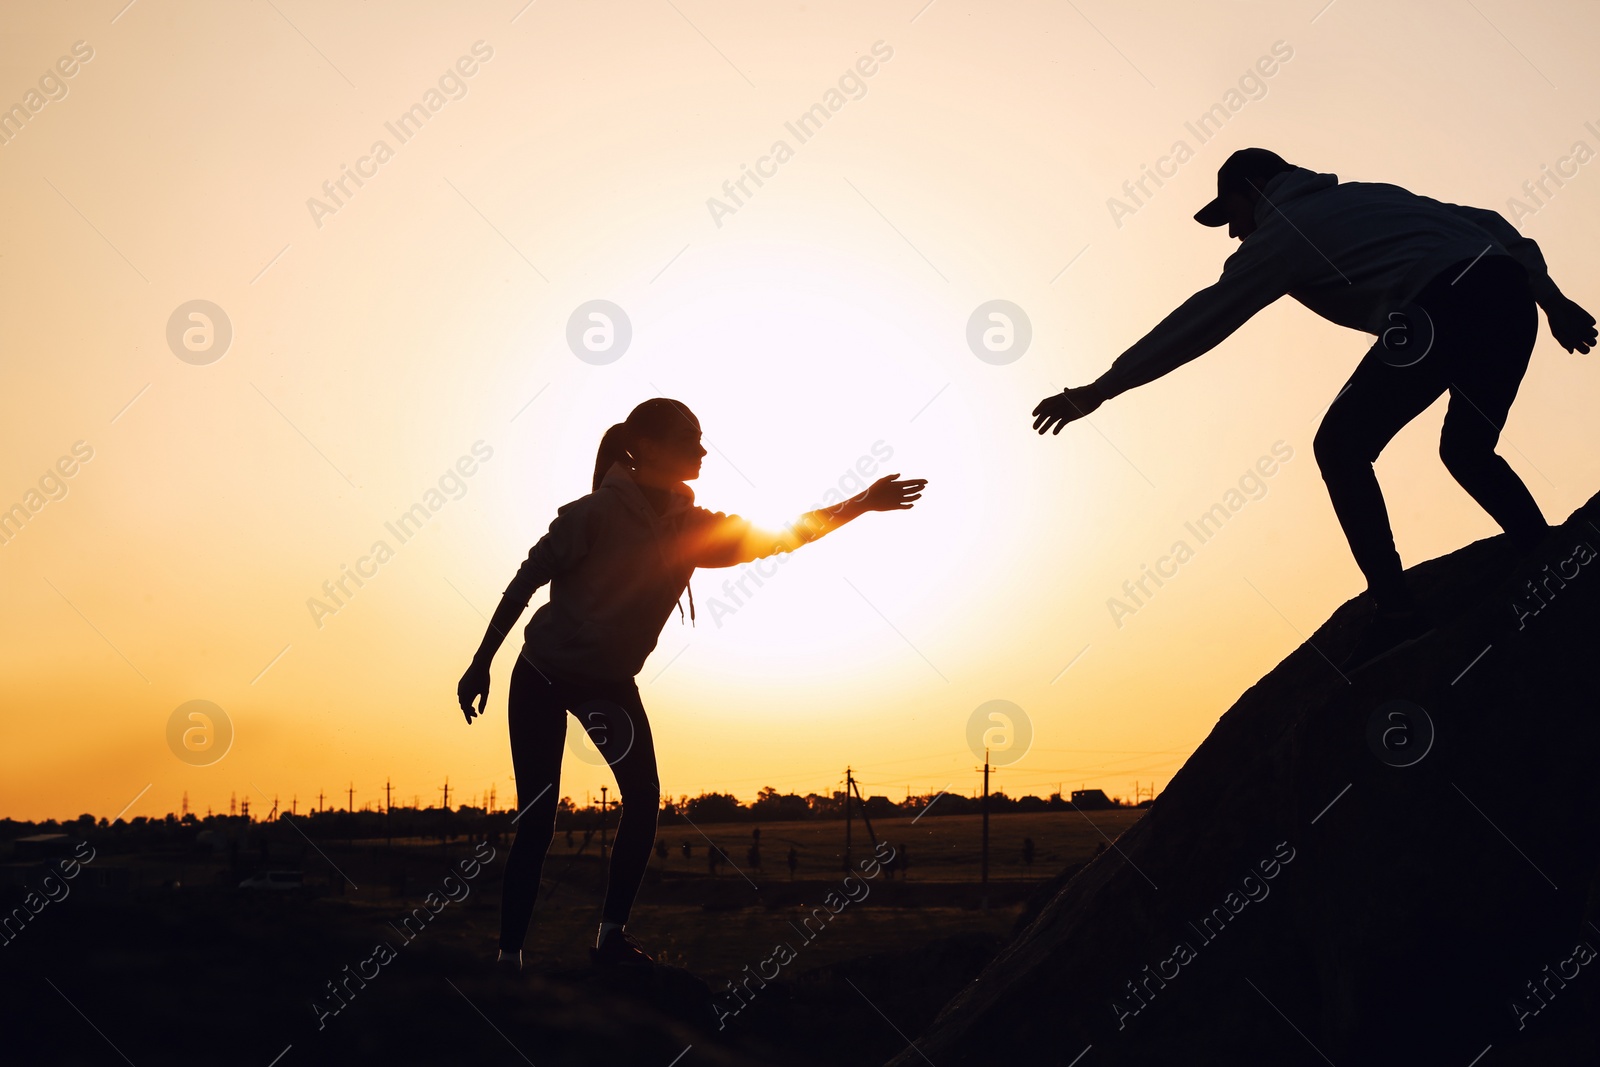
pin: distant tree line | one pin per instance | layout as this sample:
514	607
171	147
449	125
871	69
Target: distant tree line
142	833
773	806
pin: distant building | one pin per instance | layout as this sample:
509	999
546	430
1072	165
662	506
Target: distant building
1091	799
44	846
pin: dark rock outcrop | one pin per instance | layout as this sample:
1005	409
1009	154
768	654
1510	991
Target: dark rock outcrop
1394	867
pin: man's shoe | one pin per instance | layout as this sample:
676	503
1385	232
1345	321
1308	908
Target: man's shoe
619	949
509	962
1387	633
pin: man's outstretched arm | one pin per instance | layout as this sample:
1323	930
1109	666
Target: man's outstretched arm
1251	279
1572	326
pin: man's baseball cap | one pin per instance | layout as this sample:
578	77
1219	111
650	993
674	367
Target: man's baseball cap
1245	171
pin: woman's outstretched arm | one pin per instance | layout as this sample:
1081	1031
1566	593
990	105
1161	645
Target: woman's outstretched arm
727	540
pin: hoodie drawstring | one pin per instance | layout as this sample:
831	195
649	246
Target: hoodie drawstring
690	587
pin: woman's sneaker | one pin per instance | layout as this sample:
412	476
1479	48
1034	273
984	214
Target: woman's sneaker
619	949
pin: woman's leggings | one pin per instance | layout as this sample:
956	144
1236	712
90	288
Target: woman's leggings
614	717
1469	333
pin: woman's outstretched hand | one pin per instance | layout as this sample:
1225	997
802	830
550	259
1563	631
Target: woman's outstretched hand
473	684
887	494
1069	405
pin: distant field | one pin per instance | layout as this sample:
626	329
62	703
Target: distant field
138	952
710	924
944	852
939	848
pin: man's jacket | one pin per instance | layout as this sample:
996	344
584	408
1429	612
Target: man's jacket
1353	252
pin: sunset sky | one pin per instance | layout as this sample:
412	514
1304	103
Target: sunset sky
378	335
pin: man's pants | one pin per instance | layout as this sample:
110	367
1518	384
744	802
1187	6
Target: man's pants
1471	334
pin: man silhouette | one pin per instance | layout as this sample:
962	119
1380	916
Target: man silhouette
1450	293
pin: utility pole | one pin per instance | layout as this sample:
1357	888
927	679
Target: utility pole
350	798
320	796
983	898
185	802
447	792
294	804
849	781
388	827
855	789
603	822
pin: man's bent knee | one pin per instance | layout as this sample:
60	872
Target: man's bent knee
1337	451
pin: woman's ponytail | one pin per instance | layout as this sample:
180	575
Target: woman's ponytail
613	447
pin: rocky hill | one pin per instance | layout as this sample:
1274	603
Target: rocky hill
1398	866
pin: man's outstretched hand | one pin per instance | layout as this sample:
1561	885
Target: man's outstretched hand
1572	327
1069	405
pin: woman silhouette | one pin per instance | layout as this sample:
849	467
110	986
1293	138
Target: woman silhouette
617	561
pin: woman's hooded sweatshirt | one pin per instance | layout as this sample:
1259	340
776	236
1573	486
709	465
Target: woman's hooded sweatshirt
617	569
